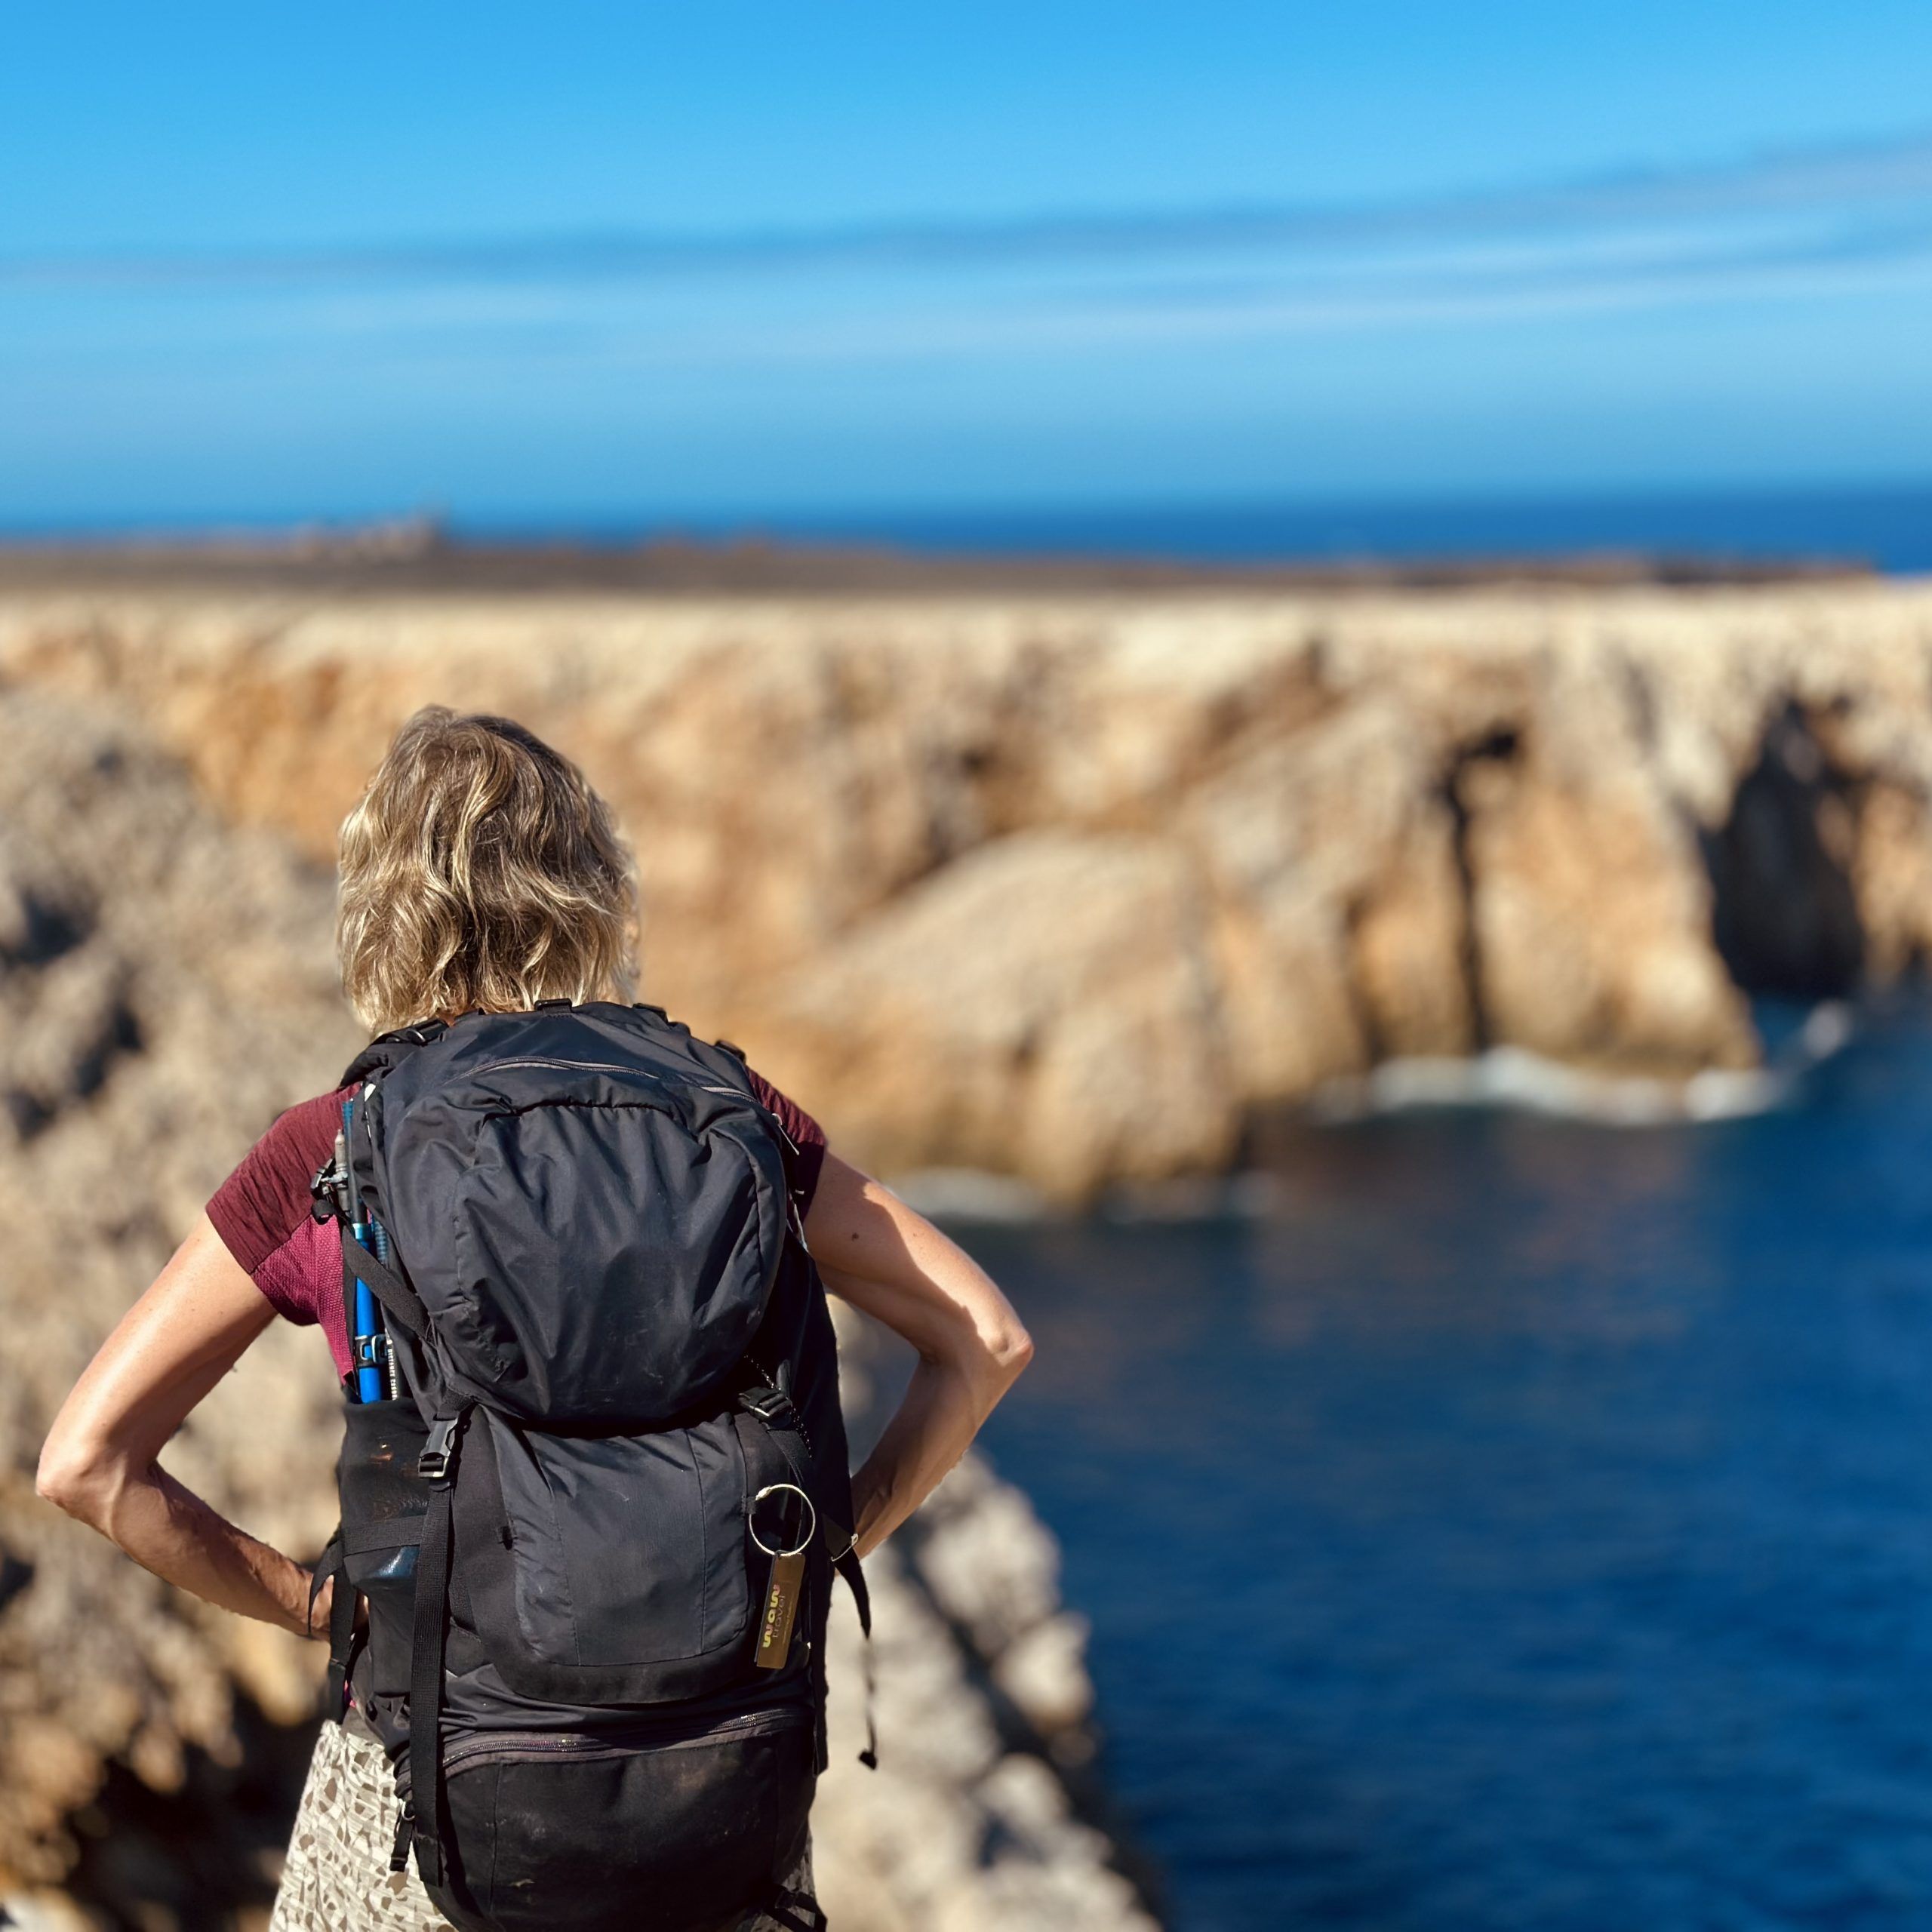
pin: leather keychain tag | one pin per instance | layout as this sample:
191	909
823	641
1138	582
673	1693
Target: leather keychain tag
781	1609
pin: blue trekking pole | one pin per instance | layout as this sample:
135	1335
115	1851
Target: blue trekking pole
362	1344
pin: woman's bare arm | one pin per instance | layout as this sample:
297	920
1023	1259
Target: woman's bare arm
877	1253
99	1463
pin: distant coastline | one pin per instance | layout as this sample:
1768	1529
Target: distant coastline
1657	537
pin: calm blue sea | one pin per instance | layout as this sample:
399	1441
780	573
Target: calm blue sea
1887	527
1524	1525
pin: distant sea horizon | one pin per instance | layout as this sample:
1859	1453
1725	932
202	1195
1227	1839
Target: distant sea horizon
1886	527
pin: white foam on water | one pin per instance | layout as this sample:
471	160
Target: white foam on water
1504	1077
1514	1077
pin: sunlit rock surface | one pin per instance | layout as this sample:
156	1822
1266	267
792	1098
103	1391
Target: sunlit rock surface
164	989
1069	888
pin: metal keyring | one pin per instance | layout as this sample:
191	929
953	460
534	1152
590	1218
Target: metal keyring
812	1515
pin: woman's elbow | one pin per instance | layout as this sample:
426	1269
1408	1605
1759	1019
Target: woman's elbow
73	1477
1007	1351
1016	1352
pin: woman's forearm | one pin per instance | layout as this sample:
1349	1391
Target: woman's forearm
971	1349
890	1262
932	1429
166	1528
100	1461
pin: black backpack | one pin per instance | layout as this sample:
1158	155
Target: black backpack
595	1522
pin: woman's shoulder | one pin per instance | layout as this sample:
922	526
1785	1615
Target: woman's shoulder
807	1155
266	1199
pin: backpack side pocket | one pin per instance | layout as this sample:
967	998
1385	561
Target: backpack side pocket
384	1500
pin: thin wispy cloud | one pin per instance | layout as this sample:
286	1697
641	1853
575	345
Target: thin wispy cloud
1847	223
1845	179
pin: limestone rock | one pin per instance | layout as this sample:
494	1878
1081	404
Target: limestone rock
1065	887
165	988
1015	1011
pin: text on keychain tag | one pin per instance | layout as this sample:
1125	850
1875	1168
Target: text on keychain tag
783	1529
781	1608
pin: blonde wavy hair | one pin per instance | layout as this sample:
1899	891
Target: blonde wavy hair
480	869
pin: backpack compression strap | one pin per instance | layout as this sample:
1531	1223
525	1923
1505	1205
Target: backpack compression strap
341	1621
423	1820
400	1302
797	1911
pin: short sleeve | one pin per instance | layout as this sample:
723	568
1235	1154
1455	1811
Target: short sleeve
807	1136
261	1210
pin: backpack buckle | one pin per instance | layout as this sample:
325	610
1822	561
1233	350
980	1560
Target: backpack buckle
375	1351
770	1405
437	1461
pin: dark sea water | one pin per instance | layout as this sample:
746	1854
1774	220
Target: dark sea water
1885	525
1888	527
1524	1525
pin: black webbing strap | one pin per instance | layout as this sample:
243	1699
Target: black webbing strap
429	1627
797	1911
392	1533
341	1621
846	1565
400	1301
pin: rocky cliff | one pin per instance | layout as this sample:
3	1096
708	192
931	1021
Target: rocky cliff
1072	888
164	989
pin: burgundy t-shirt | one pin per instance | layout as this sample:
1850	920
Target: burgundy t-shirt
261	1210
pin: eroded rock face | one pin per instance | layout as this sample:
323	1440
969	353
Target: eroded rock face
983	1702
1068	889
165	988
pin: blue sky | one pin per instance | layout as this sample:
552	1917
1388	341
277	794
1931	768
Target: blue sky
611	264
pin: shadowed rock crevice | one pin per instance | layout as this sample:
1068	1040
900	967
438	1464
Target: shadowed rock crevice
1785	912
82	1026
206	1854
1500	747
36	928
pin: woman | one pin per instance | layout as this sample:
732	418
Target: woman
479	871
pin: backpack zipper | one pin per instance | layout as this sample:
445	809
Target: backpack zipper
503	1747
611	1067
548	1060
